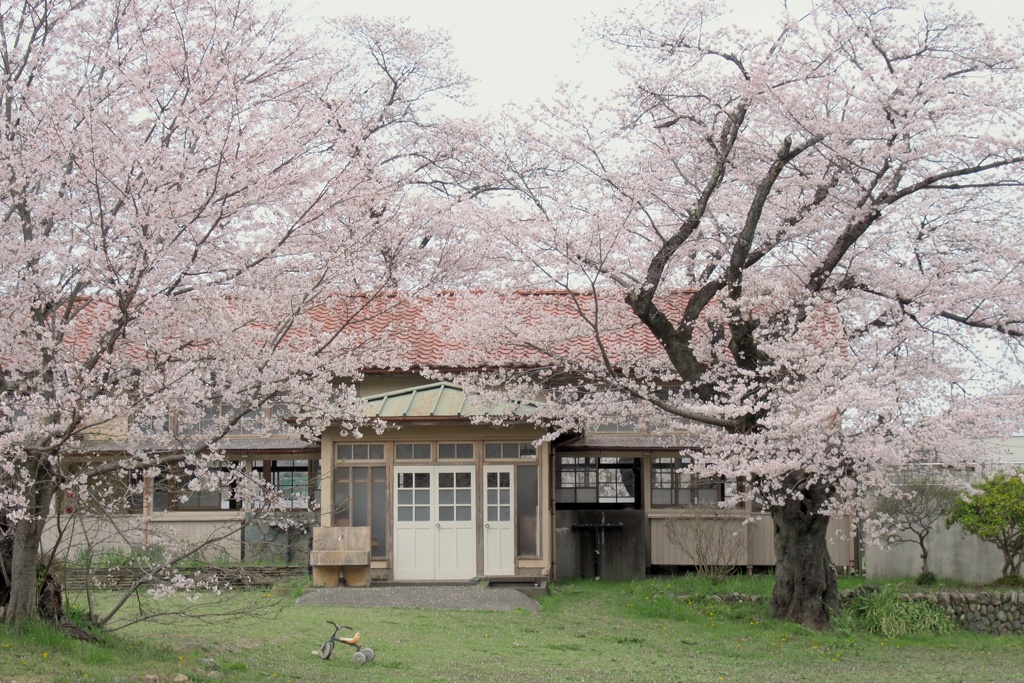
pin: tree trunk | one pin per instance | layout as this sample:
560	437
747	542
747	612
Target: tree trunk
24	600
51	600
1011	562
805	588
25	579
6	554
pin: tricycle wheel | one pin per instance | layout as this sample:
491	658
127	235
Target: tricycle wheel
368	653
359	659
326	649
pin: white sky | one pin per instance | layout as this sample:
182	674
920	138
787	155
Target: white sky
519	50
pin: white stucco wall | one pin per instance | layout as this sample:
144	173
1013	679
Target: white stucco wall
1007	450
952	554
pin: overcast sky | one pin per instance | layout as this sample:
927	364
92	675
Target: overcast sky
518	50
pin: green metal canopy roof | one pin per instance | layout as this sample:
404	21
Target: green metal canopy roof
441	399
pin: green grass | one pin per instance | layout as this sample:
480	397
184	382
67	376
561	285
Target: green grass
585	631
884	613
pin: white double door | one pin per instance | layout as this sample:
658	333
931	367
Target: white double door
436	523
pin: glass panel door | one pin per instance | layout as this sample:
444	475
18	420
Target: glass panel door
456	523
415	533
499	520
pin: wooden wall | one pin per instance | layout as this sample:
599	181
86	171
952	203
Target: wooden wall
676	534
221	530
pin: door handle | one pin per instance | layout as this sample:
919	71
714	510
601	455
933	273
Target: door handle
487	526
438	525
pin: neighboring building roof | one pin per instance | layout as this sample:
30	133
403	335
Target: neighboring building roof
627	442
272	443
442	399
230	444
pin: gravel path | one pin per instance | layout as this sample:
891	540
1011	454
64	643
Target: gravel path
428	597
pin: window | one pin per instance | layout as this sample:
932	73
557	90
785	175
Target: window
588	480
360	499
616	480
412	451
215	415
109	492
274	419
413	497
616	427
291	478
672	485
211	420
454	451
576	480
454	496
505	451
297	480
172	492
360	451
527	511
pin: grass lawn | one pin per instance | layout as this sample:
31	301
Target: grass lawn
585	631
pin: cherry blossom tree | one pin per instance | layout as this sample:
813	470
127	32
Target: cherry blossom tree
817	222
183	182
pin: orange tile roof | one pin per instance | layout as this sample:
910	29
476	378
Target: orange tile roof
466	330
471	329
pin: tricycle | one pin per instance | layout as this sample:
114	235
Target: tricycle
359	657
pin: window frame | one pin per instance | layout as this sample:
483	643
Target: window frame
526	531
685	489
582	476
269	469
576	474
523	450
371	455
376	472
176	482
456	446
414	446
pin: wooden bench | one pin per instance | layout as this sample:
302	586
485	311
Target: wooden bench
340	550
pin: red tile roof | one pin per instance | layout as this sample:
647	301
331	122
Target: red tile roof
484	329
469	330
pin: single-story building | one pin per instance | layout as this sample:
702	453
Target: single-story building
439	495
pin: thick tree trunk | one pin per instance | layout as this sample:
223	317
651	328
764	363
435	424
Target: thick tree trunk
24	599
25	578
805	581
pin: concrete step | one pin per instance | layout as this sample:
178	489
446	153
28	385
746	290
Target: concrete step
531	586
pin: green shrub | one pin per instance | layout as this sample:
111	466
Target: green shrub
926	579
994	512
887	613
